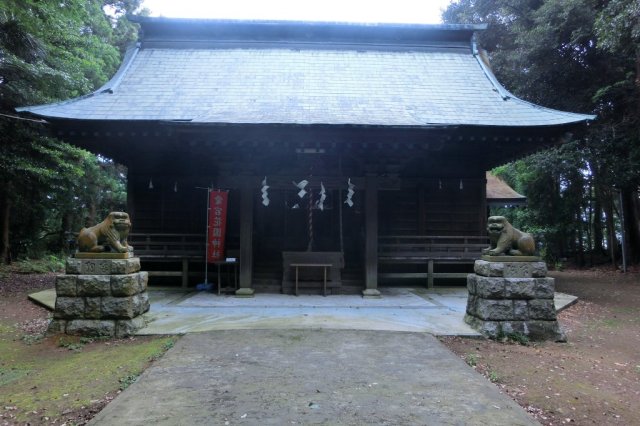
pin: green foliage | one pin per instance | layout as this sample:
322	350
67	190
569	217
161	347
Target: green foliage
71	343
471	359
58	50
32	339
127	381
518	338
618	25
48	263
170	343
51	51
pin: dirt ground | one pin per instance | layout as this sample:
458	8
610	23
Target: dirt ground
592	379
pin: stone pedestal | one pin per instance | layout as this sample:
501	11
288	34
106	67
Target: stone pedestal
507	297
101	297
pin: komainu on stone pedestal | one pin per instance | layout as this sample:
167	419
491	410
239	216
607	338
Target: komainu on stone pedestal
109	235
103	292
507	240
512	298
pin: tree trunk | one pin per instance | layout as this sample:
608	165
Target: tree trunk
91	220
631	208
598	236
64	229
612	240
580	240
589	226
5	215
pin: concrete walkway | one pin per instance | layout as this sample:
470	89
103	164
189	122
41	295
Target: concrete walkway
338	360
326	377
439	311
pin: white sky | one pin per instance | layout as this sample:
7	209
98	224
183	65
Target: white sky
395	11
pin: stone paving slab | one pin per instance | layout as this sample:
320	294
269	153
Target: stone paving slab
328	377
439	311
400	309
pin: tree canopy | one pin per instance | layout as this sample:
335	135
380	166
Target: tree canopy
574	55
51	51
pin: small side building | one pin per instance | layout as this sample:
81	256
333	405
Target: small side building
408	114
500	194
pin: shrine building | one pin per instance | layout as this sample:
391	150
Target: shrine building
392	128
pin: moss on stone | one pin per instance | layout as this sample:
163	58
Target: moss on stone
45	379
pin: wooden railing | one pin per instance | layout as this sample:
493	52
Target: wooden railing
167	249
428	251
166	246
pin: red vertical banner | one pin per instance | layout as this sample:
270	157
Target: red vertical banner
217	225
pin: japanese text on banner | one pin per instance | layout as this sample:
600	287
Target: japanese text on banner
217	225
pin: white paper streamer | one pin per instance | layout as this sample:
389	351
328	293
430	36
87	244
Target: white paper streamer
350	193
265	193
323	196
302	185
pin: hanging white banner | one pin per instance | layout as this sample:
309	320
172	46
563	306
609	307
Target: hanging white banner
323	196
350	193
265	193
301	185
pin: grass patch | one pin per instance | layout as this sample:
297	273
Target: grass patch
49	263
516	337
32	339
471	359
128	380
46	378
9	375
6	329
611	323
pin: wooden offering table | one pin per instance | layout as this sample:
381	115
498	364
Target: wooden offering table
232	267
309	266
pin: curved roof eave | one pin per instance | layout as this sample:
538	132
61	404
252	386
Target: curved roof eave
108	87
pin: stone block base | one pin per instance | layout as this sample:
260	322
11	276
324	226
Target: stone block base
512	297
101	297
97	328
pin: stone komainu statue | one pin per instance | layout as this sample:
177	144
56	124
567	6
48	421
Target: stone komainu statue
507	240
109	235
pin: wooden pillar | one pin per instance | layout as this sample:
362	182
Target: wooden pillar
371	237
246	240
421	211
131	206
484	207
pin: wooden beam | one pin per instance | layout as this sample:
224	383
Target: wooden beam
330	182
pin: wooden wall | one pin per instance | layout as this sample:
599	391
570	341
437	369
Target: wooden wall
434	207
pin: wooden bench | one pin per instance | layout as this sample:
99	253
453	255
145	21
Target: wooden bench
315	266
428	251
167	249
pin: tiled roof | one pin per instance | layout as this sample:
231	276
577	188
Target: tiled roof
498	192
300	84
